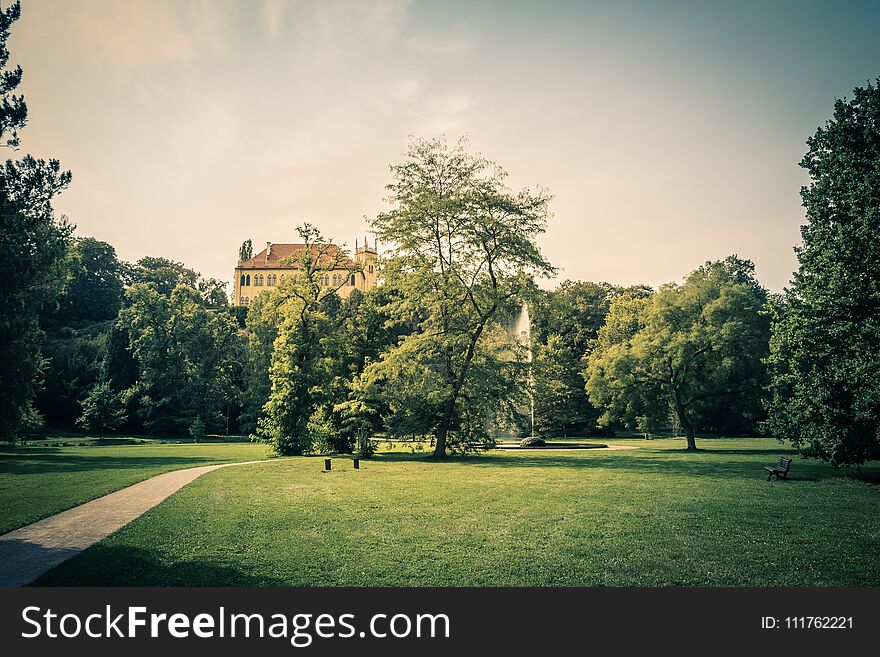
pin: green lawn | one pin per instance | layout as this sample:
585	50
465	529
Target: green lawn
650	516
36	482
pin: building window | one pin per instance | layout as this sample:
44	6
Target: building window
370	269
351	280
245	302
274	278
242	280
248	280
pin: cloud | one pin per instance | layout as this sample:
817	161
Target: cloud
273	17
111	36
452	45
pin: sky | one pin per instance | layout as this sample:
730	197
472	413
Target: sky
669	133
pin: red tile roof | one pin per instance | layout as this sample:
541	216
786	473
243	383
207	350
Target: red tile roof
285	256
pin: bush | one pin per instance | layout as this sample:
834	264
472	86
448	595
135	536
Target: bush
197	429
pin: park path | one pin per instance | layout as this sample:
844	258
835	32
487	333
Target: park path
28	552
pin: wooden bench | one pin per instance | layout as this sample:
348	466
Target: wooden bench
780	468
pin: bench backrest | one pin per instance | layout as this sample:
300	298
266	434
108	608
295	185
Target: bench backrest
784	462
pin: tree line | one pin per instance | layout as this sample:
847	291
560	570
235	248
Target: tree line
91	342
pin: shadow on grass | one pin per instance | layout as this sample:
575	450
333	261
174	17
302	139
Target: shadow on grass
38	463
672	461
22	561
109	565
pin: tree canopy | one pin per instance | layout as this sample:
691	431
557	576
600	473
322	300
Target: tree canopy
688	348
462	253
33	242
825	352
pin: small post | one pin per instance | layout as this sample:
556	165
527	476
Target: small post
326	465
357	463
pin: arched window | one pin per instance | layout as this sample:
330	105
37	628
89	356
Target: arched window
351	280
248	280
274	279
370	269
259	280
245	302
242	280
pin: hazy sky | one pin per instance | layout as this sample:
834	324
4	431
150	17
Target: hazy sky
669	132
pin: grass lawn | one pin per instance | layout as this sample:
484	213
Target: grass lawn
36	482
656	515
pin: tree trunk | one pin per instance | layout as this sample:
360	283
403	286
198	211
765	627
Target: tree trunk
692	444
443	429
686	423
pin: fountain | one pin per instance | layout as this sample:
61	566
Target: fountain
522	334
522	331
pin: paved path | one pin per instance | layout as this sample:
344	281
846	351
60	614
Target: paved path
30	551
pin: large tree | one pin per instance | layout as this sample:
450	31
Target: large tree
188	358
167	274
825	351
695	348
462	252
302	355
565	323
93	284
32	247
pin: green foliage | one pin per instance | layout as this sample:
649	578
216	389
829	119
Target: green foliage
74	364
167	275
565	323
13	110
197	430
102	409
93	284
825	354
32	247
463	253
188	358
697	347
246	252
561	404
261	330
303	353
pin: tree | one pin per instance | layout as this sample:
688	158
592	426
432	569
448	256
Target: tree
74	364
694	347
825	354
102	409
93	284
261	329
462	252
246	252
301	360
32	247
188	358
13	109
561	403
565	323
167	274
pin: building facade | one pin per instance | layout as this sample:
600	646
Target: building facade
269	267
